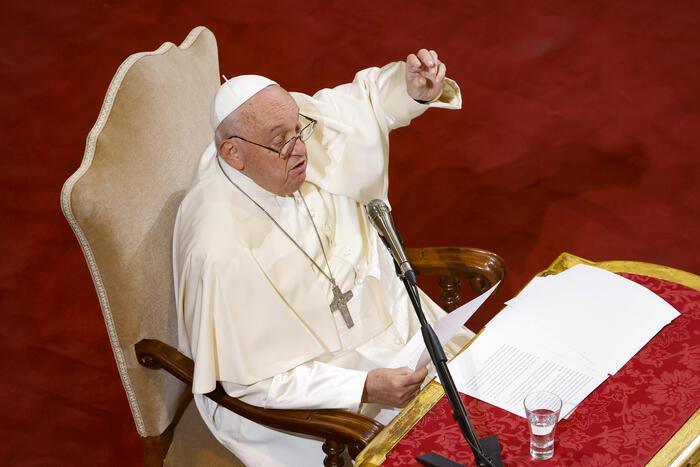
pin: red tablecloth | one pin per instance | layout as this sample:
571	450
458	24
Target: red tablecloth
625	421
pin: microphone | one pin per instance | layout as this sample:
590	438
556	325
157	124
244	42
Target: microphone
380	216
487	448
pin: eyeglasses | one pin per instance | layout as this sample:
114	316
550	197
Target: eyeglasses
288	146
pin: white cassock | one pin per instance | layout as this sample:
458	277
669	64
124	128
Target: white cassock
253	312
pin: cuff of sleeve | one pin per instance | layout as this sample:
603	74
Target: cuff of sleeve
356	387
449	98
348	386
317	386
394	103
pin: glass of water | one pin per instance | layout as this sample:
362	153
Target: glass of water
542	409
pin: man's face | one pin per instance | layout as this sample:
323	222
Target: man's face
270	118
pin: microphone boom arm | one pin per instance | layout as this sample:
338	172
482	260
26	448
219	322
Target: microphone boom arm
437	355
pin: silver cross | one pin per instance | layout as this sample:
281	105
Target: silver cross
340	303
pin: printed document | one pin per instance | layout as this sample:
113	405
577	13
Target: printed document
563	333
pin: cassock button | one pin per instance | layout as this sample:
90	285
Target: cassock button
348	251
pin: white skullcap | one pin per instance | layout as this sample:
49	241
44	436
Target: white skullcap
233	93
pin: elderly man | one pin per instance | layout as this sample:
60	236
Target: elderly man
284	292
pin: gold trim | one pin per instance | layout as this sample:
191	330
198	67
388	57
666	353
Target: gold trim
567	260
675	451
375	452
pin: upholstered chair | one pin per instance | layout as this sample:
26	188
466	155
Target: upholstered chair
139	160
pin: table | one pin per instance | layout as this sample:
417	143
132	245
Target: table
648	413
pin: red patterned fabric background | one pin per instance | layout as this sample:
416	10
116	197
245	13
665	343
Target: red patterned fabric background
623	422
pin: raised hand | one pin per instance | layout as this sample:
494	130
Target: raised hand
425	75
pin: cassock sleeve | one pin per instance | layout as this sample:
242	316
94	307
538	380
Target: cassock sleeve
313	385
349	151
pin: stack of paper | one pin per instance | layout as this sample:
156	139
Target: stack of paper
563	333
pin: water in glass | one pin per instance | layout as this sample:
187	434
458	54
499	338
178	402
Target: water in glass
542	423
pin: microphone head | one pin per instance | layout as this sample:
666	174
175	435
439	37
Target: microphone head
380	216
377	207
377	204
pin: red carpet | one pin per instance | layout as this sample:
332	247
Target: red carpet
580	132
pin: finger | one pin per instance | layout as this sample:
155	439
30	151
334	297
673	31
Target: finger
412	390
419	375
408	397
402	377
442	71
435	57
426	58
403	403
408	377
413	63
427	75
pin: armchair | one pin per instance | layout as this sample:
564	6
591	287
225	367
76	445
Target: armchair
121	203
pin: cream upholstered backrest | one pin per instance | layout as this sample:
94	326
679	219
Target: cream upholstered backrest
139	160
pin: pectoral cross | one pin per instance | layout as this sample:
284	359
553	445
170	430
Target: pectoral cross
340	303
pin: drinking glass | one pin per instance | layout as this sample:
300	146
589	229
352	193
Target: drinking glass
542	409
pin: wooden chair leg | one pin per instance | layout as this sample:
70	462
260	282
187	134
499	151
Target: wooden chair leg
450	297
155	448
334	453
354	449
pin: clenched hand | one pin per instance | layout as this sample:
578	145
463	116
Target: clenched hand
425	75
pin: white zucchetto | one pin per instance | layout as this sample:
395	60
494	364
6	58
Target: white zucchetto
233	93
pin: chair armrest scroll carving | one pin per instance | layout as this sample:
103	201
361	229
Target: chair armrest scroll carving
482	268
333	425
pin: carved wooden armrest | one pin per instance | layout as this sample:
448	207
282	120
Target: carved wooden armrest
481	267
337	427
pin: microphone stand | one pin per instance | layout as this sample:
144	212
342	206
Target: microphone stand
486	451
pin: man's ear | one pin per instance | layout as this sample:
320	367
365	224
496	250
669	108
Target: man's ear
230	153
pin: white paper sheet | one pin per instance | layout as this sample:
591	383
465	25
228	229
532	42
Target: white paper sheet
415	355
592	306
562	333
